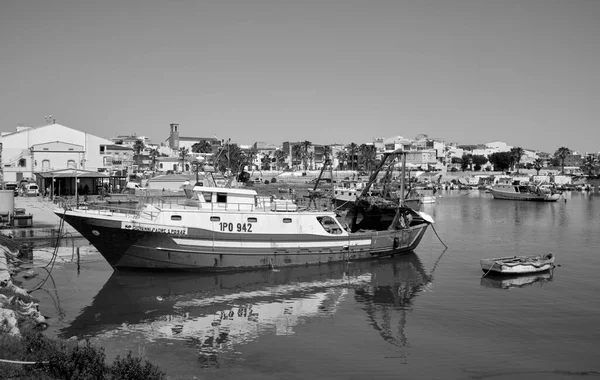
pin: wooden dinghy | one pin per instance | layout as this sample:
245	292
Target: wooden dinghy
514	265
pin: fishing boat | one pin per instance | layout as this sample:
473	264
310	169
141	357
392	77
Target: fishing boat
225	229
514	265
522	192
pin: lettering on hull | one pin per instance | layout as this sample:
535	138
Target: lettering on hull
154	229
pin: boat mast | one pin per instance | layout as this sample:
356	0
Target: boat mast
401	203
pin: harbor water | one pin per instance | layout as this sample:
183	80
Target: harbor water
427	315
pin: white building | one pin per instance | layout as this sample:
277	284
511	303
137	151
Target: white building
50	147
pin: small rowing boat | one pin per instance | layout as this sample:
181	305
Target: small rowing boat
518	264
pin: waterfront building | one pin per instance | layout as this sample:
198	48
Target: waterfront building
29	150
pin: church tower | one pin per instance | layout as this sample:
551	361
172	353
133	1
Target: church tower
174	137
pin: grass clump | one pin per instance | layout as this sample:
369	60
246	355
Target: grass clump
68	360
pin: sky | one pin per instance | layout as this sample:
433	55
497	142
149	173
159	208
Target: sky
526	72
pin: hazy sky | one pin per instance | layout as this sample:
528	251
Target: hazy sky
526	72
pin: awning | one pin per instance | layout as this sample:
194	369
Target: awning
72	173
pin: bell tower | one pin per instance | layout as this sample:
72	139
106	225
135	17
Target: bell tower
174	137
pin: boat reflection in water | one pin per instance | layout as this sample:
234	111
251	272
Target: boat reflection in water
216	313
517	281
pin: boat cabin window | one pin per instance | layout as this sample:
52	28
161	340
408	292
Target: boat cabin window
175	217
207	196
287	220
221	197
215	219
329	225
252	220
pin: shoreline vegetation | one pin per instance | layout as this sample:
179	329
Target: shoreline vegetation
26	353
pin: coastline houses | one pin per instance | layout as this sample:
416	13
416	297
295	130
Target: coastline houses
50	147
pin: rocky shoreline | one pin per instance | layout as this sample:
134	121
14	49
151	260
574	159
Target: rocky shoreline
18	309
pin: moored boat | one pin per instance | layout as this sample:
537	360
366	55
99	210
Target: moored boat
513	265
224	229
522	192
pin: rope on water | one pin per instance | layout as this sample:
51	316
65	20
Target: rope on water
22	362
54	254
489	270
438	236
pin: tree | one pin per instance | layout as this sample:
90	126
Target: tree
479	160
153	154
305	156
138	147
516	153
266	161
368	155
251	155
202	147
230	158
183	154
467	162
326	153
342	157
280	157
562	153
500	160
296	155
591	164
538	164
352	149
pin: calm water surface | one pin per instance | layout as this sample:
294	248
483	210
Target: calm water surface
430	314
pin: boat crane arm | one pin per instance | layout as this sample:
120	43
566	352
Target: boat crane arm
373	176
325	164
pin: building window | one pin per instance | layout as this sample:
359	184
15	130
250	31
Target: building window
22	162
71	164
45	165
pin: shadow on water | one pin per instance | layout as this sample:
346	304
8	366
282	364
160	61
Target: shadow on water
216	313
518	281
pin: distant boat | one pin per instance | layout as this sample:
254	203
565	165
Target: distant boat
520	192
518	264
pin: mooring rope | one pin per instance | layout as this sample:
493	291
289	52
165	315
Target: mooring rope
54	254
438	236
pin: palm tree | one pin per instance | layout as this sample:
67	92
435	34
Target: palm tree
516	153
138	146
296	155
153	154
326	153
305	157
183	153
562	153
538	164
590	164
280	157
342	156
368	154
352	150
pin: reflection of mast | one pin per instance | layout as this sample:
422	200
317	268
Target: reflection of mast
390	295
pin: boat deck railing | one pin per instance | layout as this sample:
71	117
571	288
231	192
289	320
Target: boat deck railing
141	210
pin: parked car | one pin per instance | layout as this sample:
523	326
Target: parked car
14	187
31	190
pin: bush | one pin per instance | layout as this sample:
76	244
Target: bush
68	360
132	369
273	180
266	181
